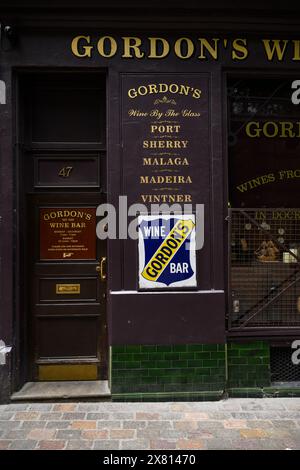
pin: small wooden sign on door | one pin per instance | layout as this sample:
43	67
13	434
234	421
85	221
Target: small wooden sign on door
67	233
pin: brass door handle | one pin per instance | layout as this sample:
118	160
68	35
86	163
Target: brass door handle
100	268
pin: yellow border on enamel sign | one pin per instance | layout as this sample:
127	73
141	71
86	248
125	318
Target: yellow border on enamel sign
168	249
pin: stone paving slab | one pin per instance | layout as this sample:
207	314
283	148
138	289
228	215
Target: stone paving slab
237	423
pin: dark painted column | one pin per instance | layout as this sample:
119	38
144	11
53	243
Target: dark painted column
6	229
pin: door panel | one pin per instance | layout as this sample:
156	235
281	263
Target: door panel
68	372
77	289
67	336
67	170
71	110
62	180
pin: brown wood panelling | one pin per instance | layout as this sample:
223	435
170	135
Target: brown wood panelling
67	171
88	291
64	182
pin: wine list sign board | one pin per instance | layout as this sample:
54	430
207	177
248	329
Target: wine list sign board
165	138
67	233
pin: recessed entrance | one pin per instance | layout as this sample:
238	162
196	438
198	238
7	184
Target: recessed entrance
62	175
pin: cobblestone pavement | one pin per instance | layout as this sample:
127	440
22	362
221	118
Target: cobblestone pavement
266	423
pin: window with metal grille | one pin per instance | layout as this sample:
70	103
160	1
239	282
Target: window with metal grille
263	173
282	368
264	267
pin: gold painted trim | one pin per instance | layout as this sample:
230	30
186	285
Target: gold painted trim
58	372
67	288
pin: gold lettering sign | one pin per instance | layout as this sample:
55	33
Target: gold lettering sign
67	288
65	171
272	129
164	122
184	48
67	233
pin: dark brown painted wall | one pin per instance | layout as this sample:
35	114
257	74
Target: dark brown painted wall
44	44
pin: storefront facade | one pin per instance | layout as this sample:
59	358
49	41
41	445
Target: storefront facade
198	107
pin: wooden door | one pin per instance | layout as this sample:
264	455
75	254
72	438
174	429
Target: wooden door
68	288
62	180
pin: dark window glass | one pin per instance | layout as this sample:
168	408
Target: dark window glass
263	142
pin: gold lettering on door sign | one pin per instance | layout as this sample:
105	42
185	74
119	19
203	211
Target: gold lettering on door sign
67	255
67	288
65	171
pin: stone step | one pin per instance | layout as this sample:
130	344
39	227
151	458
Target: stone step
92	389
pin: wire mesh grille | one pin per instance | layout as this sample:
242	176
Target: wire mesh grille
264	267
282	367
